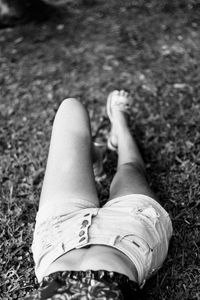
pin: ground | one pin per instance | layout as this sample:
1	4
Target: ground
151	50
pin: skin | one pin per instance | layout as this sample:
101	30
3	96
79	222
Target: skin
67	164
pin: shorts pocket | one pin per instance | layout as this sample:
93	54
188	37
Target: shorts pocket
138	242
46	236
148	227
142	253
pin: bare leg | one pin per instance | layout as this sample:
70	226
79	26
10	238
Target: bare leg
69	171
130	176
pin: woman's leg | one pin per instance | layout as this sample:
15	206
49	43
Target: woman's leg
130	177
69	172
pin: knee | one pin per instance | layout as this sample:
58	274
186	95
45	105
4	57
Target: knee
72	114
71	105
73	109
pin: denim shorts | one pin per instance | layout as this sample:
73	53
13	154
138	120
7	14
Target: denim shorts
136	224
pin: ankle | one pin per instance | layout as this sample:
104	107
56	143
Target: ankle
119	133
121	129
120	118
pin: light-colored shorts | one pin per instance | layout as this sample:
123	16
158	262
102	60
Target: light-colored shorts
135	224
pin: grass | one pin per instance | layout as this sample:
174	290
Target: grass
152	50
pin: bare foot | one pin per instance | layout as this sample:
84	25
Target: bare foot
118	108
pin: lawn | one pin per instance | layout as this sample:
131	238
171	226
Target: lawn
151	50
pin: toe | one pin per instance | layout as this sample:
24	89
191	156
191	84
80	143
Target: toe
123	93
115	93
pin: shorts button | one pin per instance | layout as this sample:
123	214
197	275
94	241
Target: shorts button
82	239
81	233
85	223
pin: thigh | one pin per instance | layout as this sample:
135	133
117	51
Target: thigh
69	172
129	179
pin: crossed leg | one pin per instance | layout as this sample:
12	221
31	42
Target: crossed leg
69	171
130	177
